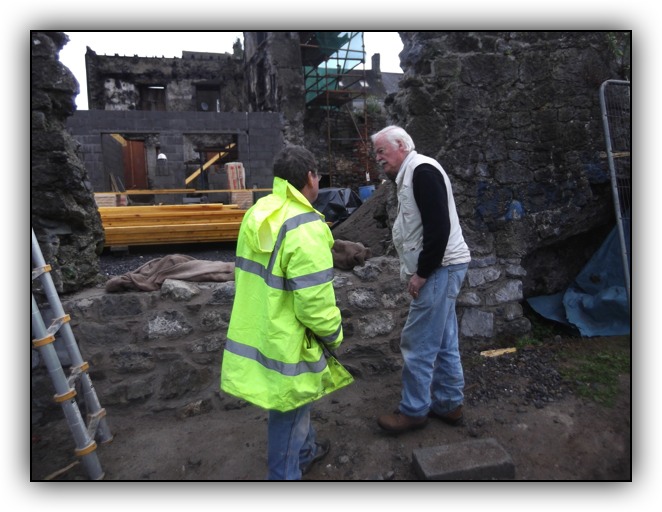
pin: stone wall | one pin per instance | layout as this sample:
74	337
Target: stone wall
121	82
162	350
274	79
515	120
63	213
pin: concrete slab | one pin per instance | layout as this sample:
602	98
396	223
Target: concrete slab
480	459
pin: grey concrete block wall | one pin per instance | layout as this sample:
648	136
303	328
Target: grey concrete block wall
259	137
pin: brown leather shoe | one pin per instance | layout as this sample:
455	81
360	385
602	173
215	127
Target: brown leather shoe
453	418
399	422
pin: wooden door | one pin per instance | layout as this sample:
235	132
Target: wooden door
135	168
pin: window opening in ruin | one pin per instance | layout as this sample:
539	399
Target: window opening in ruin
153	98
207	98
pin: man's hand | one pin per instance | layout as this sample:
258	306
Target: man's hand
415	284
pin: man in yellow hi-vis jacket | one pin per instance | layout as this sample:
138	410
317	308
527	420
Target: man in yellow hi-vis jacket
284	318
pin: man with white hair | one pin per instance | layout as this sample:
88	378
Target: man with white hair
434	259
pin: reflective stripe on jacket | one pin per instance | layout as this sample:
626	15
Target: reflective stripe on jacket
408	226
284	304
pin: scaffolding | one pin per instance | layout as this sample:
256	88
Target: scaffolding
335	80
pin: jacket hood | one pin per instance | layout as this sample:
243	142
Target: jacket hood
268	215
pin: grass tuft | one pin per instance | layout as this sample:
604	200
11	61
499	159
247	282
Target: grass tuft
595	376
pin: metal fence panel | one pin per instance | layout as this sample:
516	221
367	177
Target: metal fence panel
616	106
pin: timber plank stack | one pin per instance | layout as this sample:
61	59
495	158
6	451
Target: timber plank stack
170	224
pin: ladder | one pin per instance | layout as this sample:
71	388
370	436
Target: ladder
84	435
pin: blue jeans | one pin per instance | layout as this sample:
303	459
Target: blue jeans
432	376
291	443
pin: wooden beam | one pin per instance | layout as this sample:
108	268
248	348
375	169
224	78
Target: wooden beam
170	224
167	234
615	154
119	138
209	162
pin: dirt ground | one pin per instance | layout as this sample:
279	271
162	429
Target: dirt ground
550	433
570	439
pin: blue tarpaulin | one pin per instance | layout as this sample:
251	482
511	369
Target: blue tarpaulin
596	302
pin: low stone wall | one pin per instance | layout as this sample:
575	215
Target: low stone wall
162	350
493	289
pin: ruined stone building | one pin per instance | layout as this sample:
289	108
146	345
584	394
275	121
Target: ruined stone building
513	117
154	121
188	110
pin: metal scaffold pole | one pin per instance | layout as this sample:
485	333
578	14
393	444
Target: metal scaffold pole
65	391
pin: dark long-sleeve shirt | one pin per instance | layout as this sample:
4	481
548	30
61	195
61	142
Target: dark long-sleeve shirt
432	201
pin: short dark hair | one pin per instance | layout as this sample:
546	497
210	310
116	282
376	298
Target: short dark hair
292	163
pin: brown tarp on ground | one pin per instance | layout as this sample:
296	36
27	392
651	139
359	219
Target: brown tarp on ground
151	275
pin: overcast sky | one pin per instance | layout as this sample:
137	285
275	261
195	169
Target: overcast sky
172	44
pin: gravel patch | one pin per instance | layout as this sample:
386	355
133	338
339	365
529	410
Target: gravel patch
526	377
119	262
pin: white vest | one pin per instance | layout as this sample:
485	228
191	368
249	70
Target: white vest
408	227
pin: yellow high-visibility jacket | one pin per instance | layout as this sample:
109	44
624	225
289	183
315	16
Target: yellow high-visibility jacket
284	306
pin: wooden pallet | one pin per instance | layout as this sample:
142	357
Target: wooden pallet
170	224
106	199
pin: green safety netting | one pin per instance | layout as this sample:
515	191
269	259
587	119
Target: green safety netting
337	54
